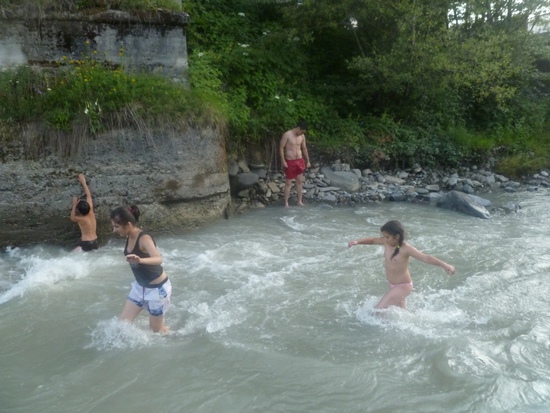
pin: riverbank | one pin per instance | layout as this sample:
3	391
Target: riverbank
339	184
36	195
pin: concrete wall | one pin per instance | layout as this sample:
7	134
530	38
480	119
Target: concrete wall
177	176
156	44
179	181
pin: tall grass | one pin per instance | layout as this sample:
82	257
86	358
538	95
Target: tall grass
63	106
79	5
518	151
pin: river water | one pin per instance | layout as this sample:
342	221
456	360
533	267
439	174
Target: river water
271	312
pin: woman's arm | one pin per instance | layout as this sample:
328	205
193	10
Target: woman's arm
147	245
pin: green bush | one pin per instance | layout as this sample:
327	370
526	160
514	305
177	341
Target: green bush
90	93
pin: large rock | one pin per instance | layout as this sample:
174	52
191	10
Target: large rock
243	181
461	202
347	181
180	182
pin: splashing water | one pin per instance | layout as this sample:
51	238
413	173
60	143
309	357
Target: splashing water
271	312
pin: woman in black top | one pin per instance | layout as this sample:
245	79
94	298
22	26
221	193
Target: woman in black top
151	288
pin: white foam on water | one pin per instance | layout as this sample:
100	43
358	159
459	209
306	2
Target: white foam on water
291	222
232	308
39	269
296	308
115	334
432	315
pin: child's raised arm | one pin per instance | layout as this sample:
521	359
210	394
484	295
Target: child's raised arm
87	192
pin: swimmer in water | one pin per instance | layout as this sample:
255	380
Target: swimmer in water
396	259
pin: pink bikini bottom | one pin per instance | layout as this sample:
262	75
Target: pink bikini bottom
399	285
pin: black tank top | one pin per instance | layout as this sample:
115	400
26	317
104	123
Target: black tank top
144	273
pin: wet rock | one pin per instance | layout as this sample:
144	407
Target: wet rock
461	202
243	181
345	180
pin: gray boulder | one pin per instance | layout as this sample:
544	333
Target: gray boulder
242	181
259	170
482	201
347	181
232	168
397	197
461	202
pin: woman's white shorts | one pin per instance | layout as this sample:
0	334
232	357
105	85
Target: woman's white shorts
155	300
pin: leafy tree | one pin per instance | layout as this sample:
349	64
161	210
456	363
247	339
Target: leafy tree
437	81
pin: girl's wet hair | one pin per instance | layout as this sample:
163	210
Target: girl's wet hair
125	216
396	229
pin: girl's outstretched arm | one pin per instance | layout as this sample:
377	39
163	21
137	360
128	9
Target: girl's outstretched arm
430	259
366	241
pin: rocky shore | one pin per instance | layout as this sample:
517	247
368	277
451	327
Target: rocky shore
341	185
178	190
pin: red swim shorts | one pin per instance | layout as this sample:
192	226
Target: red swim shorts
294	167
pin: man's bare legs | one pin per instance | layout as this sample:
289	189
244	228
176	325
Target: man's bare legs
299	189
288	186
395	296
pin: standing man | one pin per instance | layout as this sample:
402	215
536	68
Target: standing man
85	218
294	158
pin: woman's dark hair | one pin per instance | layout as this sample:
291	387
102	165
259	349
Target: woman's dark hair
124	216
397	230
83	207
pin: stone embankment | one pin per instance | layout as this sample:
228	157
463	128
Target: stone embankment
341	185
166	174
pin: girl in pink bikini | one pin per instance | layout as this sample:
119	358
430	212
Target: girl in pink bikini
396	258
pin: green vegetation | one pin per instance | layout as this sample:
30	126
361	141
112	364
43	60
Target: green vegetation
79	5
85	89
441	83
82	98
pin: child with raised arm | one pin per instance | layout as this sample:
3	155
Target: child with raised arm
396	260
85	218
